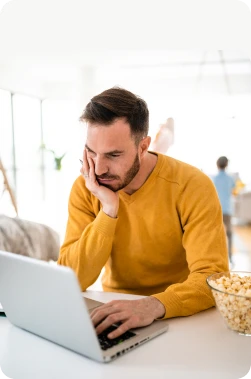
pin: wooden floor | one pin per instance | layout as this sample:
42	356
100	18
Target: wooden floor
241	248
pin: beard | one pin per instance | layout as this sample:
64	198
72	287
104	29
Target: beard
129	175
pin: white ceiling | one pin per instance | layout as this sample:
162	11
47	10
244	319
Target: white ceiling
44	44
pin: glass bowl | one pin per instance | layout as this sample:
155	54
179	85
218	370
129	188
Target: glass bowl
232	294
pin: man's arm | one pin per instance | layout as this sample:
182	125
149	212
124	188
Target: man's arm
204	240
89	235
90	230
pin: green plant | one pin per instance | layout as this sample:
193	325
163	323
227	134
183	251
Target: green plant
57	159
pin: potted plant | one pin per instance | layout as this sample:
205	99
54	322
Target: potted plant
57	159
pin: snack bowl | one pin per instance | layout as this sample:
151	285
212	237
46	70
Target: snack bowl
232	294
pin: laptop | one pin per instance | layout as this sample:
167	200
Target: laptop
46	300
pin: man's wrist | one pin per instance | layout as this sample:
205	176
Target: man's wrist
110	211
159	309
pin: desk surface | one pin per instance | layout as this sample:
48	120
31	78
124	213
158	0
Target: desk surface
195	347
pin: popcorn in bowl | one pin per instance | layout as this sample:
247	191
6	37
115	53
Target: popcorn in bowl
232	294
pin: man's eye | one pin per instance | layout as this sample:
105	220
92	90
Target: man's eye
115	155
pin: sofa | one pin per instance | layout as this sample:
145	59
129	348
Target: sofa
28	238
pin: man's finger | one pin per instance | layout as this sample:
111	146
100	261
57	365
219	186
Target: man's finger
100	308
102	314
124	327
92	175
110	320
113	303
85	166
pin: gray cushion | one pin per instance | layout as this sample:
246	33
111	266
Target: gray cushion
28	238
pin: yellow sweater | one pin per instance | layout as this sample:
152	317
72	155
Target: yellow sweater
168	237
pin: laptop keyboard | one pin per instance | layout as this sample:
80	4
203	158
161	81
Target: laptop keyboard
107	343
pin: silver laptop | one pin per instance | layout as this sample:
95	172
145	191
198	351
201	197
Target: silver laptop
46	300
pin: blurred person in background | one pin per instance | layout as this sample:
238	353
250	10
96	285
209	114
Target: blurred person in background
164	138
225	185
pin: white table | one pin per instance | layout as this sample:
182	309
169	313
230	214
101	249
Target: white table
195	347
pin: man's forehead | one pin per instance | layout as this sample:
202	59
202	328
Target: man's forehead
119	125
112	136
108	145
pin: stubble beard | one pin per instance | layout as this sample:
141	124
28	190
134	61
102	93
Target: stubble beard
130	174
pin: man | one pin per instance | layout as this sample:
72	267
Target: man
225	184
153	222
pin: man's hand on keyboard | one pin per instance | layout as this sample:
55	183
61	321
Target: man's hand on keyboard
130	313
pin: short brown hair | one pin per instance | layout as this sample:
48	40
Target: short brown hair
116	103
222	162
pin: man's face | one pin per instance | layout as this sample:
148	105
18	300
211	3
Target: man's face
114	154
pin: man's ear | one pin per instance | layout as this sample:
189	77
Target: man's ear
144	145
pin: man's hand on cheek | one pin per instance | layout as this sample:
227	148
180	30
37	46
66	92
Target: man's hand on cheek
131	314
108	198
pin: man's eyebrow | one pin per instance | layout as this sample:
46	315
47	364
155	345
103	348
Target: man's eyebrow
87	147
108	153
114	152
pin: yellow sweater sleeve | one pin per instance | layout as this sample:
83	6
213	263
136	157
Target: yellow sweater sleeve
204	241
89	237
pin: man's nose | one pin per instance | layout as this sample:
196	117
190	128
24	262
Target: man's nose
100	166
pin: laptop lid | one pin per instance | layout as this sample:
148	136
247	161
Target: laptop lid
46	300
